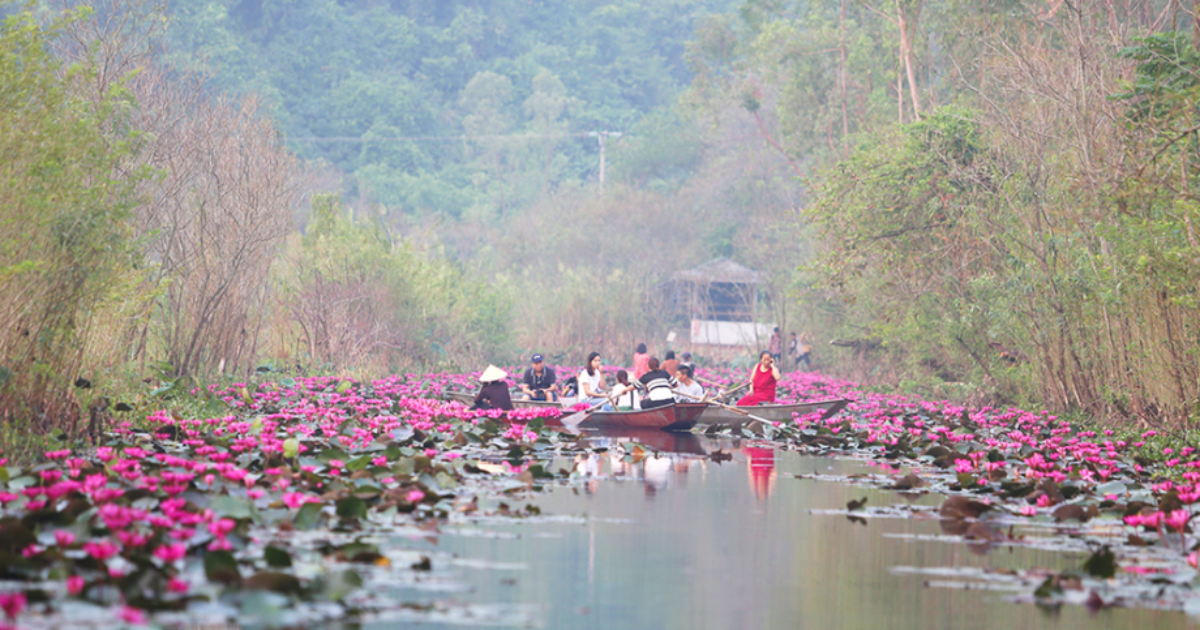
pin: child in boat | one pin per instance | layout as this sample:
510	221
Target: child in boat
625	395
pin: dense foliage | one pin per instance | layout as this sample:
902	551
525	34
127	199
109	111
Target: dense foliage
970	210
65	250
457	107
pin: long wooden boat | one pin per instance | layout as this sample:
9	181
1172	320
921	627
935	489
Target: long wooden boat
468	398
663	418
713	414
677	417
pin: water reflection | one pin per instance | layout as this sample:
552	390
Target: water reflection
694	533
761	470
652	439
658	459
668	459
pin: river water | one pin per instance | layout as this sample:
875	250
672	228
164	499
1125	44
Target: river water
683	541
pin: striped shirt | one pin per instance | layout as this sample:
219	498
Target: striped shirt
658	385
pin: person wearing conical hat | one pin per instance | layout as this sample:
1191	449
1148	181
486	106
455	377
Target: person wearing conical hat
494	392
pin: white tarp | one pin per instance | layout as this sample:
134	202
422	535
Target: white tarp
714	333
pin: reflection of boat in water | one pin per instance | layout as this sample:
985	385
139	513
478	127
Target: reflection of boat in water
713	414
655	439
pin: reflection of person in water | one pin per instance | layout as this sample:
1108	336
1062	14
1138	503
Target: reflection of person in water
588	466
657	473
761	467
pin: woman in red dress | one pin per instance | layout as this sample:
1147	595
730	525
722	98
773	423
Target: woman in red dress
763	378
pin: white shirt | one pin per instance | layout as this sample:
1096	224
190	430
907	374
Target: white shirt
695	389
628	399
594	382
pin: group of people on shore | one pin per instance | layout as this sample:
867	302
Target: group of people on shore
799	349
652	383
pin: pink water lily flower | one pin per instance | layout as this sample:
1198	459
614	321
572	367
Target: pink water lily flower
75	585
1178	519
222	527
298	499
13	604
132	615
100	550
171	553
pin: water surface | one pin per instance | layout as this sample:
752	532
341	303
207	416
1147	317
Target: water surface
682	541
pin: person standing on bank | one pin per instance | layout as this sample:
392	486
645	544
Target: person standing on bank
658	386
591	383
805	352
494	392
775	345
763	378
686	359
670	364
641	361
539	382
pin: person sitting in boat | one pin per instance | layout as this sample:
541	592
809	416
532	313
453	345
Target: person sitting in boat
688	389
494	392
641	361
591	383
625	394
763	378
658	384
539	382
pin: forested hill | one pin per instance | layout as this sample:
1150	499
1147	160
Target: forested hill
524	80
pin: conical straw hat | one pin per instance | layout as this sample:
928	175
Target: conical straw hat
492	373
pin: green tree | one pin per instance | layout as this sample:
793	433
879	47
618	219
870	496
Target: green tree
65	210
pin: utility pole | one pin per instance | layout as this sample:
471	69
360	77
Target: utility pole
601	135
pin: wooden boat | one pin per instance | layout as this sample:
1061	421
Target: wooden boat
713	414
663	418
468	399
667	418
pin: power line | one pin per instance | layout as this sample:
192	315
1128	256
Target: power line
527	136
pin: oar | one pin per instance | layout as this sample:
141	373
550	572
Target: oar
729	407
725	393
573	420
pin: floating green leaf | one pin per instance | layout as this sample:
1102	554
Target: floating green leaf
221	566
1102	563
309	516
277	557
352	507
